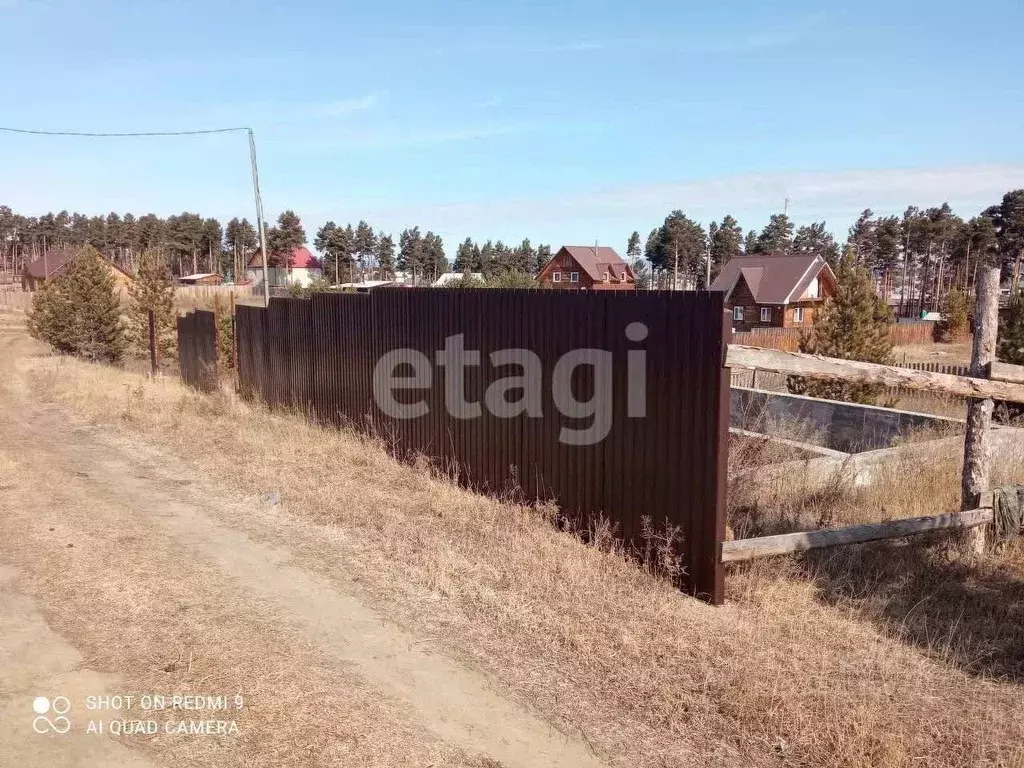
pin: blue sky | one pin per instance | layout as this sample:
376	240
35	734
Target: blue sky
565	122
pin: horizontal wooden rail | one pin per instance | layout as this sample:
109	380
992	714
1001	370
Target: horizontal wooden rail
786	543
820	367
1013	374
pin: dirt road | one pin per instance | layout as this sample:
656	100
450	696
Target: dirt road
122	574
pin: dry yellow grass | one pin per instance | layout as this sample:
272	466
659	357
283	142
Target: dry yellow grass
883	656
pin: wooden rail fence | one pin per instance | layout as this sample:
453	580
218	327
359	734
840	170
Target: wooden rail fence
788	339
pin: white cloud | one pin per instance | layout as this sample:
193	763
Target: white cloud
349	106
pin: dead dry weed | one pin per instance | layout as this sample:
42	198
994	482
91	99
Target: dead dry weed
811	663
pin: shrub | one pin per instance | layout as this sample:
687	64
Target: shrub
226	341
466	281
78	312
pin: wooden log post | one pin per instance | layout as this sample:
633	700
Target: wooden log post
978	439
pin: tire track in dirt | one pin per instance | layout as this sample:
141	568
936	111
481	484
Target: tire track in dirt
452	701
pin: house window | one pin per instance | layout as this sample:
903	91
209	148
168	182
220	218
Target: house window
737	314
606	277
574	277
798	314
556	277
766	314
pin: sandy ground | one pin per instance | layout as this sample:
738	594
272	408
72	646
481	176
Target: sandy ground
944	354
115	578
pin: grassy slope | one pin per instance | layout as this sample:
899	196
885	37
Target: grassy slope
867	657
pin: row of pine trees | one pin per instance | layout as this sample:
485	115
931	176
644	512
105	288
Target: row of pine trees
918	256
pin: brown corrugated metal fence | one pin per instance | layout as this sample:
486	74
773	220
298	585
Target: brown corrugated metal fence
197	350
666	469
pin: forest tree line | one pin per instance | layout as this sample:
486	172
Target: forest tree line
192	243
917	256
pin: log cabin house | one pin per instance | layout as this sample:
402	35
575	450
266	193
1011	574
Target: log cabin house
775	290
587	268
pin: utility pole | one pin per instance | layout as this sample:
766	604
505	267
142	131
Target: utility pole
707	266
259	218
977	473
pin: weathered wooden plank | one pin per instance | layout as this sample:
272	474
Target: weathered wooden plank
1013	374
819	367
786	543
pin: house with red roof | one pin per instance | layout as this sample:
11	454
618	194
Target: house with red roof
775	290
587	268
301	268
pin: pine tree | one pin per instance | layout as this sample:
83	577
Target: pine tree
464	257
364	244
642	274
750	242
633	251
815	238
434	262
50	319
777	237
861	238
680	244
385	255
153	290
97	308
337	246
726	243
854	325
285	238
79	312
543	257
1011	333
956	309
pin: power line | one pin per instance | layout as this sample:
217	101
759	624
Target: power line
120	135
252	161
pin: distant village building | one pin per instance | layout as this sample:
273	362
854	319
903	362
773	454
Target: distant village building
780	291
54	262
302	268
587	268
201	278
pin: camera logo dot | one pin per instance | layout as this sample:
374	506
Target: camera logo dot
43	707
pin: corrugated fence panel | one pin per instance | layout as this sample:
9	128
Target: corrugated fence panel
613	405
197	350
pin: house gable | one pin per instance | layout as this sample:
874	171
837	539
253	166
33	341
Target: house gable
597	268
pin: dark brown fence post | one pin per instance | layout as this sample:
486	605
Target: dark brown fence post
154	359
234	337
216	338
